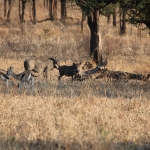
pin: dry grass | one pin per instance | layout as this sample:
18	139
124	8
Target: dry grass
91	115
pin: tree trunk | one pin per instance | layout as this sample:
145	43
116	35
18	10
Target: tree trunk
95	39
63	9
123	23
9	9
19	9
108	18
114	16
82	20
34	10
55	10
23	9
5	8
51	3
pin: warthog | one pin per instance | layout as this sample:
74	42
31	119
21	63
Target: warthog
37	67
69	71
22	77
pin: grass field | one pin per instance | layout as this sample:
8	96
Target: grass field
89	115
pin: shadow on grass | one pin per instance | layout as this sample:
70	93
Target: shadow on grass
70	145
99	88
68	89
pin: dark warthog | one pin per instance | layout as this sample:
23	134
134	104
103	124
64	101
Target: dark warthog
37	67
69	71
22	77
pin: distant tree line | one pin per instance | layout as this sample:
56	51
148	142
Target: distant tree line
132	11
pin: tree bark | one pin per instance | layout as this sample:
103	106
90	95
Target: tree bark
34	10
123	23
9	9
5	8
63	9
53	9
19	9
114	16
95	39
23	9
108	19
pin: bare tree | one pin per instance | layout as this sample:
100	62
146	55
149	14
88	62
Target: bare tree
53	9
95	40
114	16
22	7
34	10
63	9
46	3
7	10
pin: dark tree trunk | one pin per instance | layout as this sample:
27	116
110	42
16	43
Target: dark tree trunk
63	9
82	20
5	8
34	10
9	9
19	9
95	39
108	19
114	16
123	23
53	9
23	9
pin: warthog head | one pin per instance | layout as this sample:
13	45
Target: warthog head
76	67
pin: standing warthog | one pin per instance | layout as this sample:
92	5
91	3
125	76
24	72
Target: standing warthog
37	67
22	77
69	71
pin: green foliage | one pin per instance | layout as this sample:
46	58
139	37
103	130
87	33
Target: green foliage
138	11
89	6
109	9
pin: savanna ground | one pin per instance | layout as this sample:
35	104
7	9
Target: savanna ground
89	115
